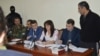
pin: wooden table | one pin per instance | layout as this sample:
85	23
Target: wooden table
41	51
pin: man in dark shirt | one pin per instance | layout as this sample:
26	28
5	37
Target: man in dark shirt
90	27
71	33
28	27
35	31
10	17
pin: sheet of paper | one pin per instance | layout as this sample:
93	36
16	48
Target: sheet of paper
76	49
39	43
15	40
56	50
80	50
11	43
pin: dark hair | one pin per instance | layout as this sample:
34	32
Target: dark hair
84	4
2	21
70	21
33	21
29	20
16	18
49	22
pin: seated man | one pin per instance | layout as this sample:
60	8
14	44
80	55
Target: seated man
18	30
28	27
71	33
35	32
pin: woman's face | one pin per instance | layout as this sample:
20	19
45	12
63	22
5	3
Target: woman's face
48	27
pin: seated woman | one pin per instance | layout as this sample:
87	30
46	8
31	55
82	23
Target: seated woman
18	30
49	35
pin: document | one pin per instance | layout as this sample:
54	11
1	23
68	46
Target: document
11	43
80	50
14	40
76	49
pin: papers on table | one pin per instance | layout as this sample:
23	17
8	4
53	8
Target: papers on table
52	46
28	44
12	43
14	40
55	48
39	43
76	49
80	49
26	41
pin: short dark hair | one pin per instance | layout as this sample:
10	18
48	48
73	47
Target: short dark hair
84	4
33	22
16	18
29	20
70	21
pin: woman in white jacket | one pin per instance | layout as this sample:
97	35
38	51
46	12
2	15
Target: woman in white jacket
50	34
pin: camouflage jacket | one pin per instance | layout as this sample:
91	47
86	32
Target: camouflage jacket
18	31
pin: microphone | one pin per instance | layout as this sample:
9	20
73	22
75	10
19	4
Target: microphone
68	43
33	42
9	33
23	37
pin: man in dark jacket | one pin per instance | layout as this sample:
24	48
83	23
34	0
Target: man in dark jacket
35	31
10	17
90	27
71	34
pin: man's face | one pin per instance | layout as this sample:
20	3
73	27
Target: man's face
28	24
17	21
81	9
69	27
34	26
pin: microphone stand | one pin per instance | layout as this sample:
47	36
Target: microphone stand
68	43
33	42
9	33
69	50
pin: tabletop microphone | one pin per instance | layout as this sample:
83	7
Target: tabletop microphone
68	43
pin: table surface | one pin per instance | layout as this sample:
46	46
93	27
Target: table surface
43	51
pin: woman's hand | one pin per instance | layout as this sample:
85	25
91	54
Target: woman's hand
48	42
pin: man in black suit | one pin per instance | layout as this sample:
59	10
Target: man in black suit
90	27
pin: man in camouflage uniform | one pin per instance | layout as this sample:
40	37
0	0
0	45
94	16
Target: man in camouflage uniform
18	30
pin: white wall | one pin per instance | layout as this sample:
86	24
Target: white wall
41	10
